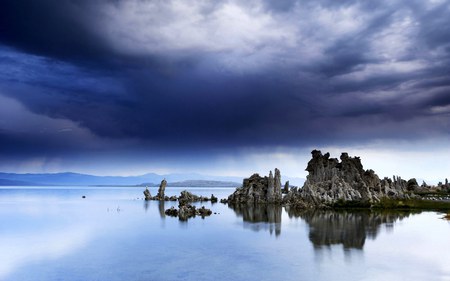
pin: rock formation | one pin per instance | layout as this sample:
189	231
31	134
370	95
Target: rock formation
160	196
286	188
147	194
162	188
257	189
331	181
277	180
188	197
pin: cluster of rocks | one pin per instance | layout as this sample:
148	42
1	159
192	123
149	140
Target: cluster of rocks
331	181
160	195
184	197
257	189
185	209
188	197
443	186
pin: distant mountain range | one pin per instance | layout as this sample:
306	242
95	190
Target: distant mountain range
83	179
198	183
150	179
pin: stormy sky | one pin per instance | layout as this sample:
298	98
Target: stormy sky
224	87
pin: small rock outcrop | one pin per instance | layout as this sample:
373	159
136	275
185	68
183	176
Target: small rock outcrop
147	194
331	181
185	196
257	189
162	188
160	196
188	197
186	211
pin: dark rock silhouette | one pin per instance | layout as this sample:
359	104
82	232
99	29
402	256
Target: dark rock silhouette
257	189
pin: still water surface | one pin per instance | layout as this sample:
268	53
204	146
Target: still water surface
51	233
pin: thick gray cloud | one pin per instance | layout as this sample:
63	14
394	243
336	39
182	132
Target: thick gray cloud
184	75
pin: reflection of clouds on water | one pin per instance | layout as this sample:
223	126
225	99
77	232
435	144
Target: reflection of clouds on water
30	246
48	231
349	228
260	217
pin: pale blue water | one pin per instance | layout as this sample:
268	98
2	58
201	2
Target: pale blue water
51	233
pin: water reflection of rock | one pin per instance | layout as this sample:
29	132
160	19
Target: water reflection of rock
161	205
260	216
348	228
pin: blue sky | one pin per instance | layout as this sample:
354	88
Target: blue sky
224	87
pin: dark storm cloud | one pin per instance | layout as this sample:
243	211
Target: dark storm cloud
225	74
57	29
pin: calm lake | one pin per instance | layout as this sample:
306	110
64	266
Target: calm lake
52	233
